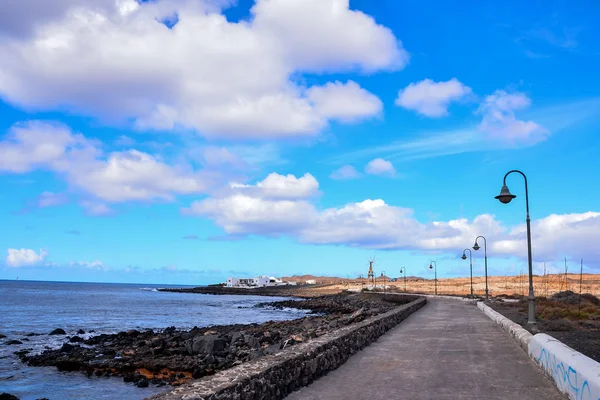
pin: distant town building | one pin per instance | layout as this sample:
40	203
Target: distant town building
261	281
311	282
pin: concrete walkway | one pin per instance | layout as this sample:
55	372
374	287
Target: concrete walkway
447	350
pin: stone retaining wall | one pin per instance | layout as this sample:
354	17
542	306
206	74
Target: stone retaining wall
274	376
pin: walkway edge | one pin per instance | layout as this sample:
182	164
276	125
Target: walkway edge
573	373
521	335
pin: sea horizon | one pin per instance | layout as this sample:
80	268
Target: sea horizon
102	283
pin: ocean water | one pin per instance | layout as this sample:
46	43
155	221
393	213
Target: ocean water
39	307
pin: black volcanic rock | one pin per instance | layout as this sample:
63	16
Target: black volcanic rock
172	356
58	331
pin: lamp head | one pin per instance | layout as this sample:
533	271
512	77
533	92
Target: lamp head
430	266
476	246
505	195
464	257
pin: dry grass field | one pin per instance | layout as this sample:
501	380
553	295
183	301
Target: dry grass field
544	286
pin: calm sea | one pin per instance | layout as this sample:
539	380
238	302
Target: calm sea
39	307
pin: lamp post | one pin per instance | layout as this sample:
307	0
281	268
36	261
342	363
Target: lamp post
476	247
464	257
362	283
383	279
505	197
403	269
435	271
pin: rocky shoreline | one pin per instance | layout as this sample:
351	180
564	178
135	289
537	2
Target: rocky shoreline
173	357
300	291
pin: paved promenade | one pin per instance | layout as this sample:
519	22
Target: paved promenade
447	350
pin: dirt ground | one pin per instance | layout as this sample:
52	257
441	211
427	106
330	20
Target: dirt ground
562	316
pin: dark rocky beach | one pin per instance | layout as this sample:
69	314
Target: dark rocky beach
300	291
173	357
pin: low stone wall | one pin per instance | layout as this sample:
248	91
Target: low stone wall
274	376
575	374
521	335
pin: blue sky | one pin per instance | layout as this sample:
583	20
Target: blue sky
187	141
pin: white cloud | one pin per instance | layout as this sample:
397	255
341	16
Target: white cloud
49	199
123	63
279	186
89	264
370	223
25	257
376	225
325	35
115	177
21	17
273	206
379	166
96	209
134	175
499	121
345	172
276	186
556	235
244	214
345	102
37	144
214	156
431	98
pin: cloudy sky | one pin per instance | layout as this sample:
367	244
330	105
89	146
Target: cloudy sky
184	141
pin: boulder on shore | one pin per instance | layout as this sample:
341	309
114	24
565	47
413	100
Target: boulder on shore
58	331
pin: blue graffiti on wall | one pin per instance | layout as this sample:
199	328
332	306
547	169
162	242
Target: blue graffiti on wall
565	376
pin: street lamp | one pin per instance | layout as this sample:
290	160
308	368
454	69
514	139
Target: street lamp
403	269
383	279
435	271
476	247
362	283
505	197
464	257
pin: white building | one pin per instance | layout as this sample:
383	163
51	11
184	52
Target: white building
311	282
261	281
